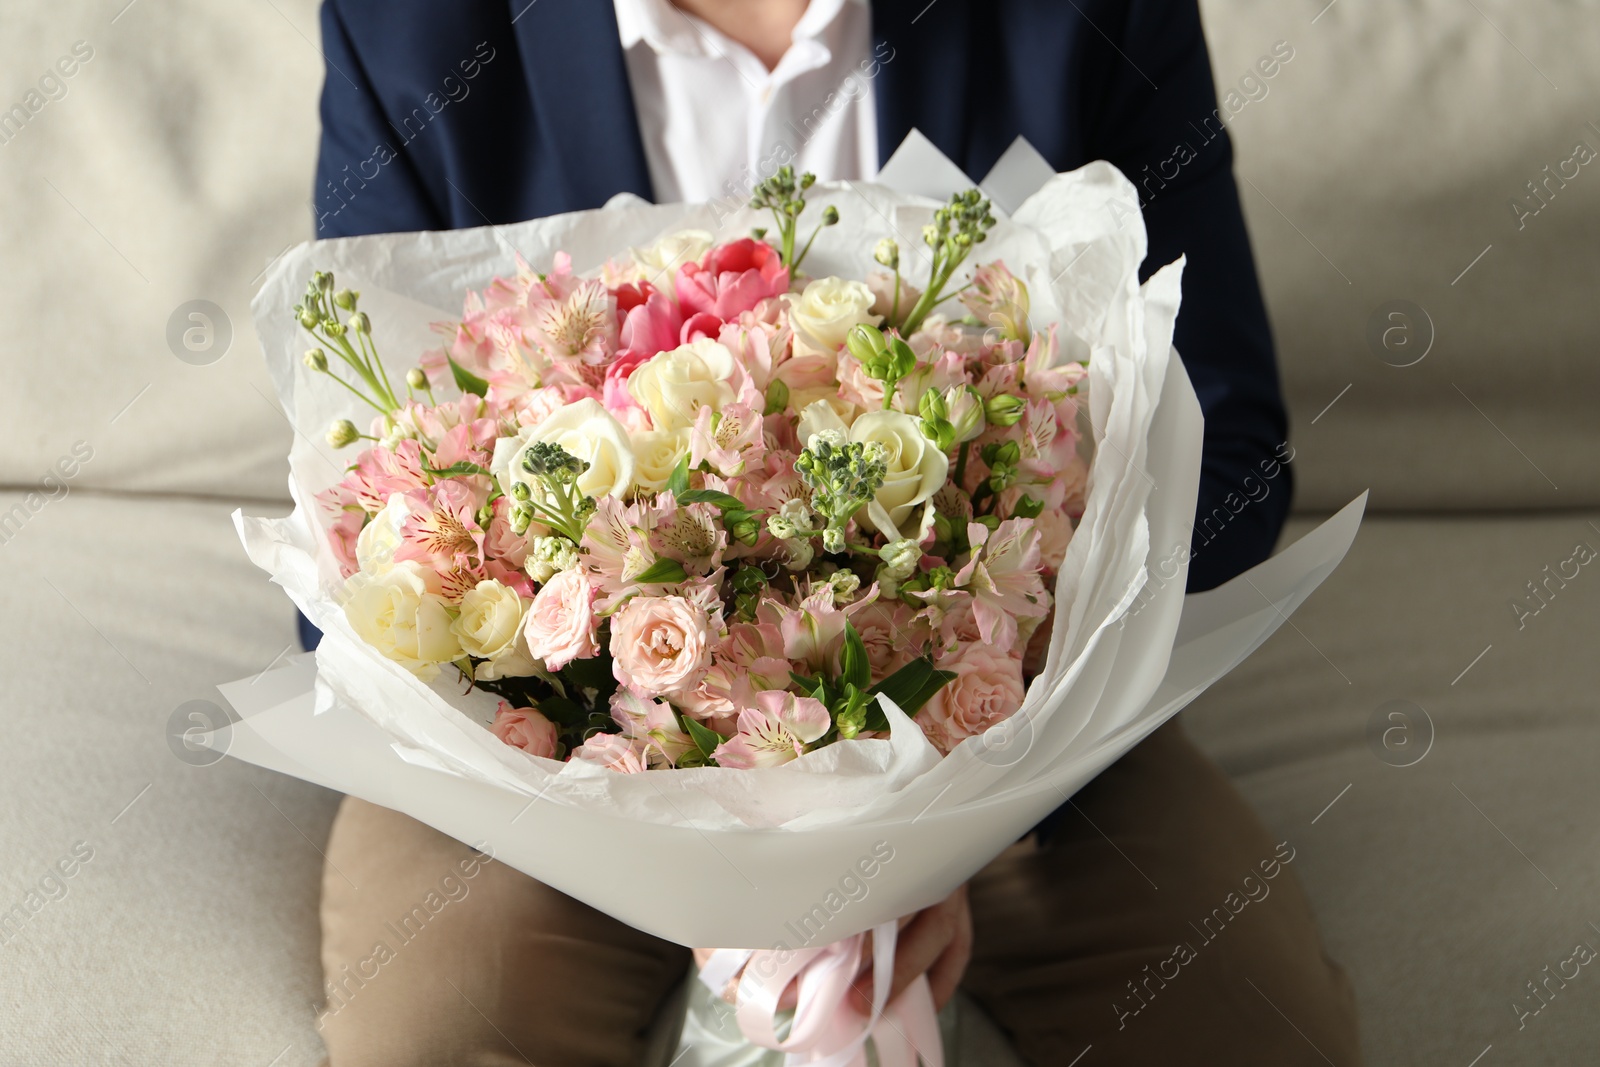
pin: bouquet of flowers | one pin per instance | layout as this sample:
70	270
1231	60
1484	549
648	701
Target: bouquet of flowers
698	509
784	508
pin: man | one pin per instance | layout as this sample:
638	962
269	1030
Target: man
1081	936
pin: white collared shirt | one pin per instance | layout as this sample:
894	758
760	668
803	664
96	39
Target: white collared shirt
715	121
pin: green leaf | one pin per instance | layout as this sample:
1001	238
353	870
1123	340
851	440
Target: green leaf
678	484
462	467
721	500
466	381
663	572
913	685
854	668
705	740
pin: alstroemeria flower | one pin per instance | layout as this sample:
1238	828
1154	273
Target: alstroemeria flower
442	528
572	318
730	439
1003	577
775	731
652	724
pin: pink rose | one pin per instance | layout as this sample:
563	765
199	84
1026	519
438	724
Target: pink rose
526	729
561	625
987	689
733	278
613	751
659	644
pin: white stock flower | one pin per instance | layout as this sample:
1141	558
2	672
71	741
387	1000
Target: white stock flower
394	613
828	307
585	429
903	505
674	385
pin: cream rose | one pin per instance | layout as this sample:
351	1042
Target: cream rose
585	429
394	613
491	616
660	644
560	625
656	454
658	263
917	469
376	543
828	307
672	386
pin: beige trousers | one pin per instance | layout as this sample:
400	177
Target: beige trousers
1160	924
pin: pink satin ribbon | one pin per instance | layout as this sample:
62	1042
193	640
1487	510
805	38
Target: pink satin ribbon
829	1030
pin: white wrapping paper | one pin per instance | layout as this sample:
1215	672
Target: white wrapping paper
778	857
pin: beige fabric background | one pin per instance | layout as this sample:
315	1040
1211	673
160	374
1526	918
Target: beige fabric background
1378	165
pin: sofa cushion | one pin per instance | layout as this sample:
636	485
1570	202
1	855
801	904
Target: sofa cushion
1455	861
1377	165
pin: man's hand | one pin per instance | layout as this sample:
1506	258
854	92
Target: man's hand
936	941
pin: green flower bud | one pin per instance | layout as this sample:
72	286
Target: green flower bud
991	521
746	529
416	379
887	252
1004	409
360	323
343	433
777	397
830	215
866	343
1028	507
316	359
344	298
932	405
333	329
307	317
323	281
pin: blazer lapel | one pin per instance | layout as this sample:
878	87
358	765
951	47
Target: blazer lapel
923	49
582	102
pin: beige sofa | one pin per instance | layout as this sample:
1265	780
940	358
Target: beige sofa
1380	164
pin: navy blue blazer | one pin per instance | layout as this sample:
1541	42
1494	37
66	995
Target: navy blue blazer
438	116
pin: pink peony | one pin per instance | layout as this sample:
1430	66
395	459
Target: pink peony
660	644
560	626
732	279
987	689
526	729
775	731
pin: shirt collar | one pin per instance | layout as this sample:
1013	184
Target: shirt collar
670	31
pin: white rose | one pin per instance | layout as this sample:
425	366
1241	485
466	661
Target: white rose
394	613
585	429
656	454
491	616
827	309
917	470
658	263
379	538
673	385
